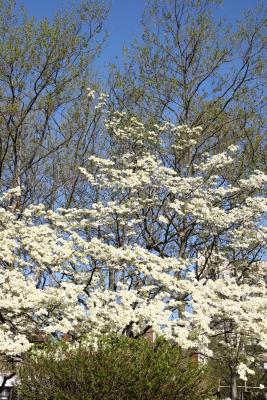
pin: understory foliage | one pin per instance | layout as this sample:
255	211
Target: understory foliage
118	369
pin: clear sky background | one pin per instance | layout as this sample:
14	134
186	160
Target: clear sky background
123	23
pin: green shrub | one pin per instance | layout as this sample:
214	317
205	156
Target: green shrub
120	369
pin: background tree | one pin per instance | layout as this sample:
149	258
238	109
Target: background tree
46	118
193	68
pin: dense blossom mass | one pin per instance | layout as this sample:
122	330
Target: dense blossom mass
178	249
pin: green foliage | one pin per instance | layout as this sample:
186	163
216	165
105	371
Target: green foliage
47	122
119	369
194	69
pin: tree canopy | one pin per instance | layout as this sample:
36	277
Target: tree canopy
139	208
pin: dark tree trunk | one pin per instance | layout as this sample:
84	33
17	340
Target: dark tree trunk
234	394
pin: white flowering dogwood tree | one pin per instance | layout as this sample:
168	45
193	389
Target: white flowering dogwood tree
166	244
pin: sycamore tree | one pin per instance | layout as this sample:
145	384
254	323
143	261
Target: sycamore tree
155	247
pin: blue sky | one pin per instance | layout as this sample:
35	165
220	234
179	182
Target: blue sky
123	23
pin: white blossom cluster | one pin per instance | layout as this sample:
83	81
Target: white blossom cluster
157	248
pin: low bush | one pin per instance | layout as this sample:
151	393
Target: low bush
119	369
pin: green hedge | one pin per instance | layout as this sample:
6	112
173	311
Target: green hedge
120	369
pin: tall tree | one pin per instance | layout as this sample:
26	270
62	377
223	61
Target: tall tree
193	68
45	69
